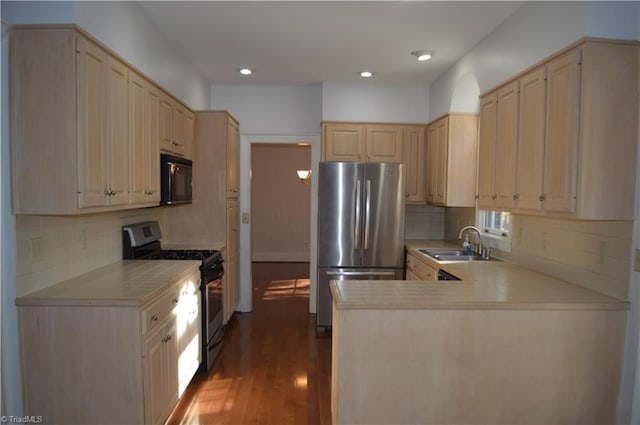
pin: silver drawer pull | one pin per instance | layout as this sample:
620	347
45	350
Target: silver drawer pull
154	318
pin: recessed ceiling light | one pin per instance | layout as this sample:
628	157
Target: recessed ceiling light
423	55
246	71
366	74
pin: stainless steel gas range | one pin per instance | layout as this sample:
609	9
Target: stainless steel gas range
141	241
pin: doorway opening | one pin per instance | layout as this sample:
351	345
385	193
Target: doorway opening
281	219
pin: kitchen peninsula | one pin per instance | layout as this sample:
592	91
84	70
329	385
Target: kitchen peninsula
503	345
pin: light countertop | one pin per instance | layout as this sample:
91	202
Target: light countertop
484	285
124	283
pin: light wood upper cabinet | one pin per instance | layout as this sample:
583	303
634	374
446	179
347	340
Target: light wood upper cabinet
103	142
452	148
93	166
505	152
530	165
577	135
232	137
561	145
360	142
500	167
486	149
144	169
83	137
383	143
176	128
343	142
415	160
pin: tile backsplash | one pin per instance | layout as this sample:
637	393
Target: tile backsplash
50	249
592	254
424	222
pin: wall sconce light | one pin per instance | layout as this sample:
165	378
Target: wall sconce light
304	176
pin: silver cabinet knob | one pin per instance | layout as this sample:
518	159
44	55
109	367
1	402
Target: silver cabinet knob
154	318
516	196
541	198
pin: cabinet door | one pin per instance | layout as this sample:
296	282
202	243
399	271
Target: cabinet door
189	128
138	161
343	142
415	160
152	138
233	157
383	143
230	288
531	140
442	139
179	130
93	170
171	365
432	163
486	148
155	377
561	150
506	147
166	123
437	159
118	132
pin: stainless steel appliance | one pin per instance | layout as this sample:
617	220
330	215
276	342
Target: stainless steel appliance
175	180
360	226
141	241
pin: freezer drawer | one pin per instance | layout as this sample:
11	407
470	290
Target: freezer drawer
325	275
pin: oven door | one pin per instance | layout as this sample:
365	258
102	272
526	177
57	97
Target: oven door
213	326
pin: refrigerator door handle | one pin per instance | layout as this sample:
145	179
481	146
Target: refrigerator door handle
389	273
357	214
367	213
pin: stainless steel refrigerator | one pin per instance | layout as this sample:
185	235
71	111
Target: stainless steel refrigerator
360	226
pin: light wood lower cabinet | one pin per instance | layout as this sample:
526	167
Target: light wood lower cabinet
119	364
419	269
475	366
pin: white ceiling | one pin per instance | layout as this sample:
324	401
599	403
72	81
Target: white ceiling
306	42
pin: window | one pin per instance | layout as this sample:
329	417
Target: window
496	223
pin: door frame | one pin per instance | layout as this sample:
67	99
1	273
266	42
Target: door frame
246	141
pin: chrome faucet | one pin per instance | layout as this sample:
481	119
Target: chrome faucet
481	249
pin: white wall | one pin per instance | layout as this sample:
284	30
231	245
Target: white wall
376	102
271	109
532	33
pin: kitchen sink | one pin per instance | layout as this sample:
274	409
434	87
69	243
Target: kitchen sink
454	255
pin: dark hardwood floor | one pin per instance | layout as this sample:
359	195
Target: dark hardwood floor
275	368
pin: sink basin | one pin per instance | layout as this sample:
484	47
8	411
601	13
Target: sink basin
454	255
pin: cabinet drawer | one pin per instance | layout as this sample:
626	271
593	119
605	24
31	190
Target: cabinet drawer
421	270
157	312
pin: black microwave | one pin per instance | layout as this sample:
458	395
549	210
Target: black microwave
175	180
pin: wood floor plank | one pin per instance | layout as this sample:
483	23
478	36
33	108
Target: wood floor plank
274	368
